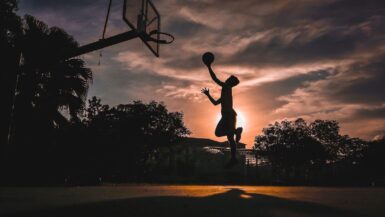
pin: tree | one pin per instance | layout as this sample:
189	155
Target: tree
373	159
327	133
10	35
352	150
50	92
49	84
94	109
118	142
290	147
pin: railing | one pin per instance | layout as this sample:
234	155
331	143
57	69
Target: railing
248	153
227	149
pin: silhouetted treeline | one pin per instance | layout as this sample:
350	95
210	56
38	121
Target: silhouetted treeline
10	50
116	144
295	152
47	135
36	85
105	144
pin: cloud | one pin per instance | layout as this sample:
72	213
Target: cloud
295	58
353	94
362	82
371	113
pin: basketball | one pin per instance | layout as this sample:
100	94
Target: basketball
208	58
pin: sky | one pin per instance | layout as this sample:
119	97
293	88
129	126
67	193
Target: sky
294	58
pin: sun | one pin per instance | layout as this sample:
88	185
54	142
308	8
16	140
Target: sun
241	120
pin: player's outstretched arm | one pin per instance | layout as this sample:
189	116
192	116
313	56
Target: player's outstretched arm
214	77
206	92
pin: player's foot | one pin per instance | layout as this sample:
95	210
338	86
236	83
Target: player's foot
238	134
231	163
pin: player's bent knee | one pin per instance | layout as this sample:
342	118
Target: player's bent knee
219	134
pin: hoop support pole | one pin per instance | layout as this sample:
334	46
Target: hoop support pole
102	43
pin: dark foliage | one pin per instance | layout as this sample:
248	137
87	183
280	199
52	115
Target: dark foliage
292	149
373	160
315	153
10	35
117	143
48	135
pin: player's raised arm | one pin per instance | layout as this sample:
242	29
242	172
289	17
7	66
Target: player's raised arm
214	77
207	59
206	91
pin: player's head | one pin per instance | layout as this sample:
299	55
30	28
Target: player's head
232	81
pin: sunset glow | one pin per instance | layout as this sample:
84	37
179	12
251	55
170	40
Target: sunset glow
241	119
268	108
288	68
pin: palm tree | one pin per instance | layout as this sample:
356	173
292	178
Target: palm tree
49	84
10	32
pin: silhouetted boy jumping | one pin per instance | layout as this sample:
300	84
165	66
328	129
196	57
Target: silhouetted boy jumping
227	124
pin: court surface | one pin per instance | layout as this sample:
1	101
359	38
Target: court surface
191	200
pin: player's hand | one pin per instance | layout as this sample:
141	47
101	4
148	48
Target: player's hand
206	91
208	64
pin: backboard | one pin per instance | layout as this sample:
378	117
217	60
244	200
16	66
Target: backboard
142	16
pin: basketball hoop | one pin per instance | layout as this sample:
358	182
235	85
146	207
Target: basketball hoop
169	40
142	18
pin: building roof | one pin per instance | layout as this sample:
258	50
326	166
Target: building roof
203	142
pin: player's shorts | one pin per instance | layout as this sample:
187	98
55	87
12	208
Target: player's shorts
227	124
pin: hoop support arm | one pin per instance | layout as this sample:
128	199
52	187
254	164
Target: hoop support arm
102	43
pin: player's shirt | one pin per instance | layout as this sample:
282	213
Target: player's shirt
227	100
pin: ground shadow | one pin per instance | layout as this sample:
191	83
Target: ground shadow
232	203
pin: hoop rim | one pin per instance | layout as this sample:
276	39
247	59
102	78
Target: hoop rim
148	37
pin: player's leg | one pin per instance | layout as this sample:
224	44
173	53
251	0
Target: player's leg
238	134
237	131
220	130
233	146
227	126
231	121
